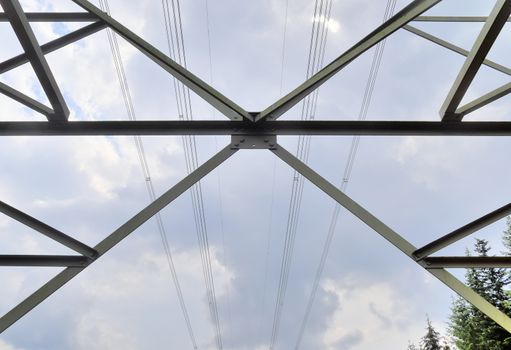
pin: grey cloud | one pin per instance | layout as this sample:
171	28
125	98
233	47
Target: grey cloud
443	185
349	341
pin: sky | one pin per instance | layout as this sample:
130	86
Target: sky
370	295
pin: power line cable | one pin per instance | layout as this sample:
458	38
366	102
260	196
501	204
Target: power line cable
175	42
317	45
366	101
218	170
272	201
294	205
128	102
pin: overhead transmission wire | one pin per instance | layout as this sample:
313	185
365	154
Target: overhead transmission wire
220	202
268	242
128	102
366	101
176	47
317	46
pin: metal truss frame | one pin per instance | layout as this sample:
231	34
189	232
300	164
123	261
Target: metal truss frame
250	130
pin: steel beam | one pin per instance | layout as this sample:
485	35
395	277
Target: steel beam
281	127
31	47
55	17
38	296
54	45
47	230
115	237
452	19
25	100
393	24
463	232
162	201
44	260
393	237
455	48
249	135
341	198
467	261
194	83
484	100
472	297
482	46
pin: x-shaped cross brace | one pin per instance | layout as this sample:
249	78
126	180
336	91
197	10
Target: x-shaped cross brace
250	140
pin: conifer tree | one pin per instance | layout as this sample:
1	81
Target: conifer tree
431	341
471	329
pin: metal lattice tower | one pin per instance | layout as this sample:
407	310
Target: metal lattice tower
253	130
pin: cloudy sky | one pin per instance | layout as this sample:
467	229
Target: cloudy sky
370	295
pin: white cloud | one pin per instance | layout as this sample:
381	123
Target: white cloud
6	346
106	167
55	203
94	331
127	280
432	159
333	25
131	299
369	316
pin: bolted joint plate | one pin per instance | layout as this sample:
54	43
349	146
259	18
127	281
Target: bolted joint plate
253	141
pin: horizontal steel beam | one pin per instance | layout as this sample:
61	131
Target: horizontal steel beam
453	19
44	260
47	230
455	48
281	127
53	45
463	232
467	261
55	17
89	17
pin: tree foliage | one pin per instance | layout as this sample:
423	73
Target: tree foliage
470	328
431	341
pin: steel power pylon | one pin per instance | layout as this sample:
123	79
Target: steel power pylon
251	130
